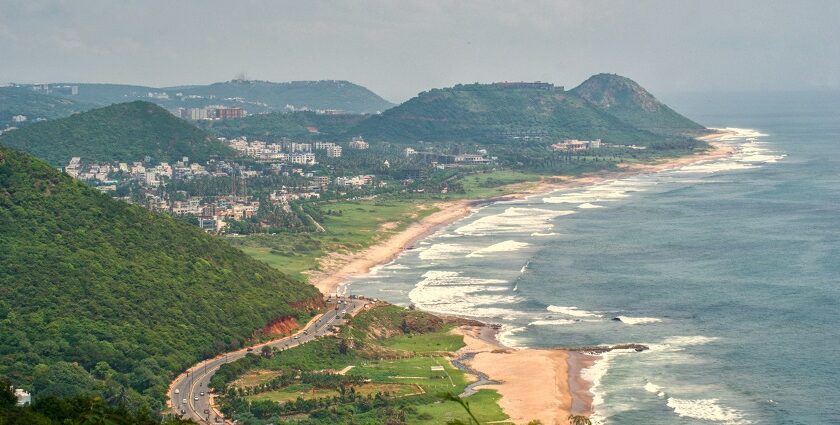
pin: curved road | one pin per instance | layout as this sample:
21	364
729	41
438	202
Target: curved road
188	394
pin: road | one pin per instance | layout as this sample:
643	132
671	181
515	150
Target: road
188	394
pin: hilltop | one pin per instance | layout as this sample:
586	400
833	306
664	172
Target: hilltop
499	114
631	103
35	106
122	132
100	296
254	96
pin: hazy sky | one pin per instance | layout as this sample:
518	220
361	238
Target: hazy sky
399	48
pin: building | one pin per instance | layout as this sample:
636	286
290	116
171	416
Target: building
409	152
359	143
471	159
334	152
228	113
303	158
73	167
574	145
23	397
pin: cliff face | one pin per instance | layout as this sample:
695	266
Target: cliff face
631	103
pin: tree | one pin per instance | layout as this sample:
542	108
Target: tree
579	420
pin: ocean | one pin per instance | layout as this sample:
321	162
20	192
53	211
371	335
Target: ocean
729	270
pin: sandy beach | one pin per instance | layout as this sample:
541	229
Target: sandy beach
541	384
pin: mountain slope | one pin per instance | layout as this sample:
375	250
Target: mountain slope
328	94
122	132
283	124
22	101
254	96
631	103
99	296
497	114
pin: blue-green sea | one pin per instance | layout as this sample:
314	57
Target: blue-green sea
728	270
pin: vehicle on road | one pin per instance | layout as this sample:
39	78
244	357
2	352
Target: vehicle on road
297	336
184	401
196	398
201	393
177	391
249	349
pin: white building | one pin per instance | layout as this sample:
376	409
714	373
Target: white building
23	397
334	151
303	158
359	143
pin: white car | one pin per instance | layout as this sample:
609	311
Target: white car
196	398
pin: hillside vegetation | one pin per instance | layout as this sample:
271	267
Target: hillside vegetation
34	106
298	125
631	103
99	296
254	96
122	132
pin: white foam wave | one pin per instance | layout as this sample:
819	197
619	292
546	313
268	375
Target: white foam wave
506	246
505	336
683	341
513	220
552	322
571	311
706	409
453	293
654	389
443	251
538	234
587	205
638	320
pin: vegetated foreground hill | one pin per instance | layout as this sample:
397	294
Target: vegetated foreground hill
510	113
300	125
254	96
34	106
101	296
122	132
632	104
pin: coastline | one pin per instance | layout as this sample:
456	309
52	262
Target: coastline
544	384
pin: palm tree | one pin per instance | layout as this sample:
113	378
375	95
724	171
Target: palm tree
465	405
579	420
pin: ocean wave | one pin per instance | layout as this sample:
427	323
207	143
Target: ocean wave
449	292
654	389
552	322
443	251
683	341
638	320
571	311
538	234
505	336
715	167
705	409
506	246
587	205
513	220
734	133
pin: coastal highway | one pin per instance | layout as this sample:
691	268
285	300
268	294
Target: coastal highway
189	395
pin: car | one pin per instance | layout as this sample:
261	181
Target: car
196	398
183	412
177	391
201	393
184	401
297	336
344	312
249	349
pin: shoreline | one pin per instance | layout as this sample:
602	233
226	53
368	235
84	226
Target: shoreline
515	373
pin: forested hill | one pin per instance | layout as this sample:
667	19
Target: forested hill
631	103
498	114
100	296
22	101
122	132
252	95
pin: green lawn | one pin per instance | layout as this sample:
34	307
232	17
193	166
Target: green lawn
495	183
425	343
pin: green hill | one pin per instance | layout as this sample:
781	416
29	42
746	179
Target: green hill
99	296
281	124
631	103
34	106
122	132
253	96
500	114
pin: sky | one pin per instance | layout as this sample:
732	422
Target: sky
399	48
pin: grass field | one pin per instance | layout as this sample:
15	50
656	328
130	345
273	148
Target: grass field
425	343
495	183
306	392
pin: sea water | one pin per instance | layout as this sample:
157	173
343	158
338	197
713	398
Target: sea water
729	270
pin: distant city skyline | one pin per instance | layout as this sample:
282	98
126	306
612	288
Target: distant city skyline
398	49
